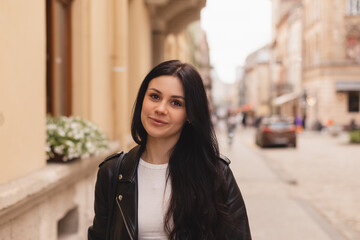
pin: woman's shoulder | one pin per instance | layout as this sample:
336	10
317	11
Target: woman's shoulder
225	160
111	158
113	161
107	168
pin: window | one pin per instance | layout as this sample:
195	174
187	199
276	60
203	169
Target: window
353	101
353	7
58	60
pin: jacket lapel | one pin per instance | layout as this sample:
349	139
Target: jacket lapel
127	195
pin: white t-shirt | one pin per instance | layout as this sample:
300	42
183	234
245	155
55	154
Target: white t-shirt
153	199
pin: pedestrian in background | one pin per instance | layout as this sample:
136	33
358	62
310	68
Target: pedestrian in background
173	184
353	124
244	119
231	125
298	123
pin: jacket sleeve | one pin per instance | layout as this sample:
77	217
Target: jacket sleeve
236	207
101	204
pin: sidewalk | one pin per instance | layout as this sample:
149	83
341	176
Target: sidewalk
273	213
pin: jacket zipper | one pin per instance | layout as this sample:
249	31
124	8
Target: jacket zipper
122	214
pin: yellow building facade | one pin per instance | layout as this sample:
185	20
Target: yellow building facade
82	58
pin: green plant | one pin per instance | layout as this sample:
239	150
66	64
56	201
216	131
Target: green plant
354	136
73	137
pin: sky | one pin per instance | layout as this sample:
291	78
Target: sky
234	29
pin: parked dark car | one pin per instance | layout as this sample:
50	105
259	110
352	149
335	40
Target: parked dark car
276	131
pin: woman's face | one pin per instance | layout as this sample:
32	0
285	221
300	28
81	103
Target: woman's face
163	112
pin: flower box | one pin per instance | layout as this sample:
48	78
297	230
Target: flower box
70	138
58	158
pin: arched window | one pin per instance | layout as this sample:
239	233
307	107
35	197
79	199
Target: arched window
353	7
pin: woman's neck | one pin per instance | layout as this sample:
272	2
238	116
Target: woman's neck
157	151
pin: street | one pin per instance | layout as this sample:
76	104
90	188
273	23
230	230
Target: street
311	192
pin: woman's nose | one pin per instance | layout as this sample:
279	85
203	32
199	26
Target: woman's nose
161	108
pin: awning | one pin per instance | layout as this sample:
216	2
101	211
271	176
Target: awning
347	86
285	98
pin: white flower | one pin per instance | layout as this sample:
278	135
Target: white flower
61	132
69	143
73	137
59	149
51	126
79	135
74	125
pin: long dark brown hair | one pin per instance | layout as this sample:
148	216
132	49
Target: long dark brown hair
196	209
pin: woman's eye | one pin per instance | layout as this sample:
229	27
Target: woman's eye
154	96
176	103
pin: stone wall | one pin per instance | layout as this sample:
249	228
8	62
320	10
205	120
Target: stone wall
55	202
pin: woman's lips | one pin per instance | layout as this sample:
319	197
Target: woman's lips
157	122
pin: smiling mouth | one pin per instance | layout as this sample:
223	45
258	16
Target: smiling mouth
157	121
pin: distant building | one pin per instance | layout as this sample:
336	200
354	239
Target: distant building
286	58
256	83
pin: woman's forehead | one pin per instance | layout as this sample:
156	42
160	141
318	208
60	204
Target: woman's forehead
167	85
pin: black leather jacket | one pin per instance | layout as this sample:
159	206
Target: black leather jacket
116	200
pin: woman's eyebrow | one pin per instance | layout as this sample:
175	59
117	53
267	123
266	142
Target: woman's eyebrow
154	89
173	96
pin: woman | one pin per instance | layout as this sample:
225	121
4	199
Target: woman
174	184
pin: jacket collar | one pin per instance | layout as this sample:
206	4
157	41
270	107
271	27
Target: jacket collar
130	163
